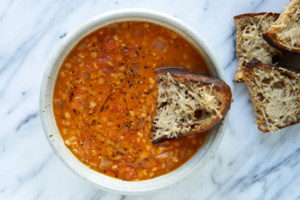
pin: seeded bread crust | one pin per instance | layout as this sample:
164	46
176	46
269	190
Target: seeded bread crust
189	83
250	43
285	32
274	94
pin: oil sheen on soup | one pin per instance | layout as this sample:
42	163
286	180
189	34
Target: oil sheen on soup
105	100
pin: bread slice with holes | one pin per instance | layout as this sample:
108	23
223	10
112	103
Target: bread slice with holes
285	32
250	43
188	103
274	94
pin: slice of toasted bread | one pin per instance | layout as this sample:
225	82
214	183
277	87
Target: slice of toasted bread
250	43
285	32
274	92
188	103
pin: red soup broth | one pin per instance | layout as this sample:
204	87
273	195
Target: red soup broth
105	99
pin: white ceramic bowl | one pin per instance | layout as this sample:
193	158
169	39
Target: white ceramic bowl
99	180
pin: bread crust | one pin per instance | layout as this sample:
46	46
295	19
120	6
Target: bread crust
270	38
254	63
272	35
186	76
276	15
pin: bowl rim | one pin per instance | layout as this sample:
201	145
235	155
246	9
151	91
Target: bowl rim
103	19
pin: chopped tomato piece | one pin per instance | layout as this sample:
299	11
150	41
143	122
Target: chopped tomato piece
160	44
112	133
108	70
79	89
109	45
92	66
117	109
58	106
104	58
85	75
78	103
130	174
137	32
74	68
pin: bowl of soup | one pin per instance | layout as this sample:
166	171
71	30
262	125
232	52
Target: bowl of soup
98	101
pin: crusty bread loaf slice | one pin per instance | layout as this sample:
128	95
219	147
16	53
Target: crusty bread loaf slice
250	43
285	32
274	92
188	103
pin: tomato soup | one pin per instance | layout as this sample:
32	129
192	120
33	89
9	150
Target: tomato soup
105	99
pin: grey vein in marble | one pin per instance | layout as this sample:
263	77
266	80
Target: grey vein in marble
249	164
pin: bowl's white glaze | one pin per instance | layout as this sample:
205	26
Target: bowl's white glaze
99	180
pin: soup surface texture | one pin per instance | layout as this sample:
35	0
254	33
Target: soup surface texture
105	99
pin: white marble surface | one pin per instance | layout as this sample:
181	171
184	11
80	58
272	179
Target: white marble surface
249	164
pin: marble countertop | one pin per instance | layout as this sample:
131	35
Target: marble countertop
249	164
